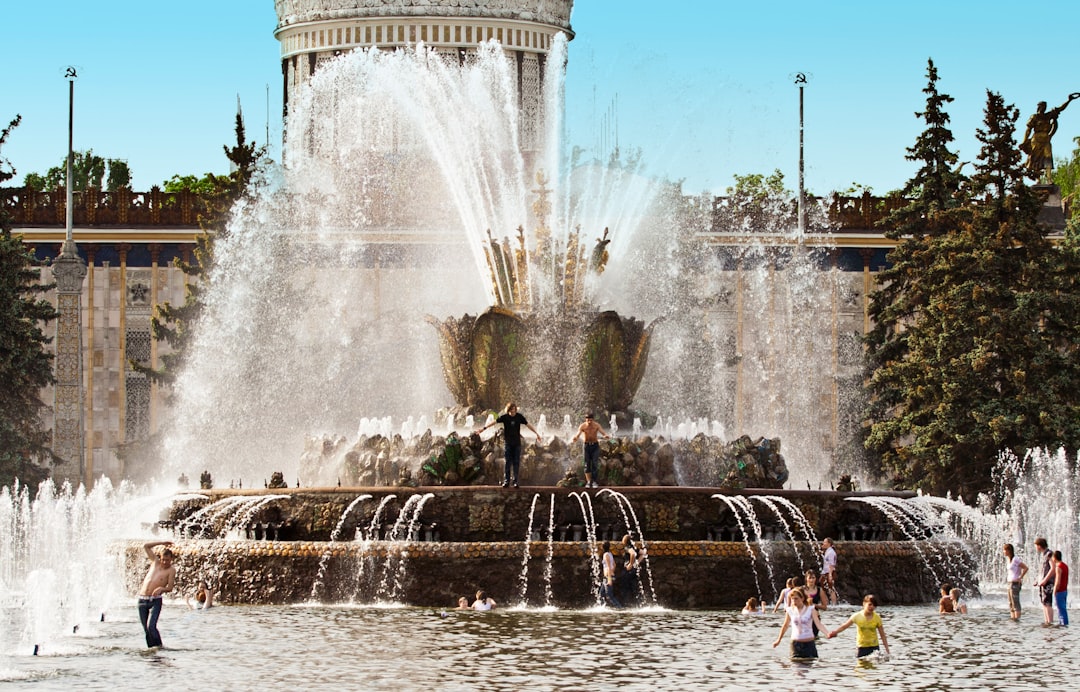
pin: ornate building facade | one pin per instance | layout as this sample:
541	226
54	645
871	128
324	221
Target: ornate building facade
312	32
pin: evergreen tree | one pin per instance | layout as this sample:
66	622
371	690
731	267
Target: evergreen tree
896	387
988	360
25	361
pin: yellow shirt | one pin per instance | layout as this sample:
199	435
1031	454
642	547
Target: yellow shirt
867	628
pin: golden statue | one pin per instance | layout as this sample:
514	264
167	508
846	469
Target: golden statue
1041	126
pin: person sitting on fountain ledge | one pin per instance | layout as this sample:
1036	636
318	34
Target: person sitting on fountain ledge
511	422
591	429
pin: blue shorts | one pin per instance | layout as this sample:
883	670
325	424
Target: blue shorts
804	649
866	651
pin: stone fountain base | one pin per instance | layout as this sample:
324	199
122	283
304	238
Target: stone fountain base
472	538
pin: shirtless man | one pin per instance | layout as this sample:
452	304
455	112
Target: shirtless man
160	579
591	429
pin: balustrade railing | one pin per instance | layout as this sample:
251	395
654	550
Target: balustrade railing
26	207
93	207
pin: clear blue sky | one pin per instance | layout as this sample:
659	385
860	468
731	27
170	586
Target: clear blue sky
703	88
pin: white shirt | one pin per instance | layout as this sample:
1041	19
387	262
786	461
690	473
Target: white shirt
830	561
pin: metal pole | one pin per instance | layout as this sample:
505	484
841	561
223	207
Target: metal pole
800	81
70	74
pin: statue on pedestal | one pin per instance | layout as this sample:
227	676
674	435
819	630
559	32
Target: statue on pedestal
1041	127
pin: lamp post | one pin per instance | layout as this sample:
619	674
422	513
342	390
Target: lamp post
801	80
69	270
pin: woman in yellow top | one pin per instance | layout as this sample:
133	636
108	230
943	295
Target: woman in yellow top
869	627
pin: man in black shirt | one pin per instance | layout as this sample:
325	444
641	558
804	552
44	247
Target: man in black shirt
511	422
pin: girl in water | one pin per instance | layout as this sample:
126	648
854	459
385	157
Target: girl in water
802	617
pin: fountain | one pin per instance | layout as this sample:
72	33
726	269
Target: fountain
314	325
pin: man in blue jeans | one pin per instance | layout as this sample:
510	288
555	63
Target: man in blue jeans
1061	588
160	579
591	430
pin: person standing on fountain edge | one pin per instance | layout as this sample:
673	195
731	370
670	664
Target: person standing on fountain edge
160	579
591	429
511	421
1061	588
1017	569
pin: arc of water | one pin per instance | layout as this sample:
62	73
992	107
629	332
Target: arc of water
900	518
982	534
923	514
804	525
248	509
590	535
383	592
768	502
550	553
208	513
403	559
625	507
366	539
334	535
523	578
736	510
763	544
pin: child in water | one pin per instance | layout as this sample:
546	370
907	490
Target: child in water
869	627
752	607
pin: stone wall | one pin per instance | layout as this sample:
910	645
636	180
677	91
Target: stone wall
683	574
701	555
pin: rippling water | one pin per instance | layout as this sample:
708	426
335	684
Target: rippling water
343	647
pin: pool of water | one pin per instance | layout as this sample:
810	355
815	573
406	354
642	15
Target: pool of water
399	648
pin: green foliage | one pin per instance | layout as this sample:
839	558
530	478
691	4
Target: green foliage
448	466
1067	178
25	361
87	170
757	189
205	186
974	345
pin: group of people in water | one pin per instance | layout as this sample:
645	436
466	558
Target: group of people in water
1051	579
802	604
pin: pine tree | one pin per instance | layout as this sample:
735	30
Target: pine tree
25	361
896	389
988	360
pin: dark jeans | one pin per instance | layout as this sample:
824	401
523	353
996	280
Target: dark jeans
592	458
149	610
608	592
513	462
629	585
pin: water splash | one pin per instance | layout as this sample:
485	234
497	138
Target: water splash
328	551
523	578
739	510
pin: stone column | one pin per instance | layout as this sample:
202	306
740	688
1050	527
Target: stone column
69	270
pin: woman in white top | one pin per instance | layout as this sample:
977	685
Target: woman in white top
482	601
802	617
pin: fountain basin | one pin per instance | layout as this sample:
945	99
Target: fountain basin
701	555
